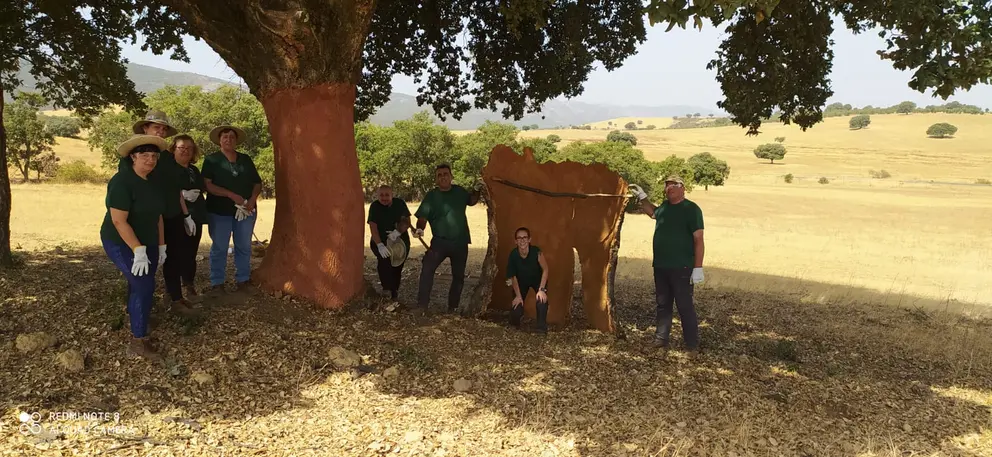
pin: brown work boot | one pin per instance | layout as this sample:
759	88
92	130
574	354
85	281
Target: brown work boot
142	347
182	308
192	296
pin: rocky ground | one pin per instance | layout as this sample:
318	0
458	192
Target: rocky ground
265	375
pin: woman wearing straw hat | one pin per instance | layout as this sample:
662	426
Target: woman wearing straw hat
233	185
183	233
155	123
132	225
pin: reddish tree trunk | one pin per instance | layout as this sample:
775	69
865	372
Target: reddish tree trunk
5	258
316	251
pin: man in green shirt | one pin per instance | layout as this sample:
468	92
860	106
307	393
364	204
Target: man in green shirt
528	269
678	259
444	207
389	218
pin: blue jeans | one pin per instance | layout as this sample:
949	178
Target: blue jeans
141	289
221	228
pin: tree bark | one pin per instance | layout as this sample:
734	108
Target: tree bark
5	258
316	250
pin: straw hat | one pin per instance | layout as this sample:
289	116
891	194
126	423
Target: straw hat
157	117
138	140
397	251
215	134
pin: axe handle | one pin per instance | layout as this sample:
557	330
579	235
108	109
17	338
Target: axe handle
423	243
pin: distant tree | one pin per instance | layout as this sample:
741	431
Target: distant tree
708	170
941	130
649	127
770	151
780	139
630	126
675	118
906	107
689	115
107	131
617	135
63	126
823	180
788	178
28	140
697	115
609	123
525	127
710	115
639	122
859	122
554	138
535	127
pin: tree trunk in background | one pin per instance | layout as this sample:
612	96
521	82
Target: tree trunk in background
317	251
5	259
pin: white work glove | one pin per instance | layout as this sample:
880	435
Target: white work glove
383	250
190	225
697	275
161	254
638	192
141	262
191	195
419	233
393	235
241	214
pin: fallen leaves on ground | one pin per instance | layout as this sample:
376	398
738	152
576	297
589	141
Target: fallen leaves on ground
260	375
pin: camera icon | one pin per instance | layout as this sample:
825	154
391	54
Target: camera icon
30	423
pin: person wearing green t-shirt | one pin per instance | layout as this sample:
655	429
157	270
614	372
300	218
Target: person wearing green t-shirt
389	219
444	207
233	186
677	260
132	224
527	269
183	233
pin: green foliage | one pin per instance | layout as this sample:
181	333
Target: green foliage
983	181
777	54
63	126
859	122
265	164
630	126
780	139
941	130
554	138
691	122
838	109
881	174
823	180
617	135
108	130
29	142
639	122
78	172
788	178
906	107
770	151
629	163
650	127
708	170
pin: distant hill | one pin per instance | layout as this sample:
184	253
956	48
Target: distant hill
401	106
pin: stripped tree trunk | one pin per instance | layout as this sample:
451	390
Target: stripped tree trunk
611	277
483	292
5	258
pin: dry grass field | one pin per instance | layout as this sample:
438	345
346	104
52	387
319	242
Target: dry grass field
845	319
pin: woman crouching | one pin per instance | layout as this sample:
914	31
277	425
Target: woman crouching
132	225
528	269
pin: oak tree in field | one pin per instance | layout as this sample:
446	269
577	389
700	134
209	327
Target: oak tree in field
630	126
906	107
770	151
72	49
708	170
777	54
859	122
617	135
29	142
941	130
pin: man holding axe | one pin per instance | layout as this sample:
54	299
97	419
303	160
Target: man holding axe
444	207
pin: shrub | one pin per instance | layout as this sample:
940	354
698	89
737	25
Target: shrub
823	180
618	136
859	122
770	151
983	181
630	126
788	178
650	127
554	138
780	139
78	172
941	130
63	126
880	174
639	122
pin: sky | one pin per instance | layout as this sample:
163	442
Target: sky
670	69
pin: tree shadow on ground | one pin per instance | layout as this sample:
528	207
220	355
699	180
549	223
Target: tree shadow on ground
776	377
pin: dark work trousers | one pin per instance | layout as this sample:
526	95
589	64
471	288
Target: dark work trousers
389	276
442	249
542	308
675	284
180	256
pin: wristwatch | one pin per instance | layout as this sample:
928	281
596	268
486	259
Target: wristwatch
544	289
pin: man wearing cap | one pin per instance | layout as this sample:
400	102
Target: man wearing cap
389	222
233	186
678	259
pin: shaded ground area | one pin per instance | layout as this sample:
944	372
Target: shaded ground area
776	377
